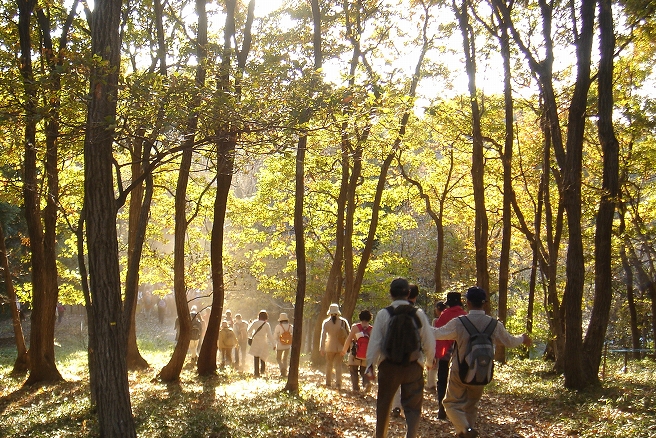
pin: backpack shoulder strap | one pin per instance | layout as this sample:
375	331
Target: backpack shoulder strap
490	327
471	328
390	310
413	312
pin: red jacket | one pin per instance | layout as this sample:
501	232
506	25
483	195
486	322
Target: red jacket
443	348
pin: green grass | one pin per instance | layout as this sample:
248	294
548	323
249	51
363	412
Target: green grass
623	406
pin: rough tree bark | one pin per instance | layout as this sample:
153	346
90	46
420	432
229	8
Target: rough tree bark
171	371
299	229
110	320
44	280
610	191
21	365
478	159
226	135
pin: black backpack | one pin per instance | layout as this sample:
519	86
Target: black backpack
477	367
402	343
195	327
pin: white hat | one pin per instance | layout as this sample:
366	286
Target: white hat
283	317
334	310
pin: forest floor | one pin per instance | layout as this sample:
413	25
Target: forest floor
526	400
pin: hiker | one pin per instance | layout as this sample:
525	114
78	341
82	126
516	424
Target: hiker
334	332
444	348
241	331
400	335
431	379
357	342
461	400
282	336
194	334
226	343
396	400
161	310
228	318
260	340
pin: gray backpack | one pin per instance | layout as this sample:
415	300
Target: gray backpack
477	367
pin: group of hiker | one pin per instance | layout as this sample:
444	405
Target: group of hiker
236	337
456	349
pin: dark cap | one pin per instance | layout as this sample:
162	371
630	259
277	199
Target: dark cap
476	295
399	288
453	299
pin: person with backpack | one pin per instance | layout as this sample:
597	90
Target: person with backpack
282	336
473	363
401	338
444	348
396	400
334	332
226	343
357	342
241	331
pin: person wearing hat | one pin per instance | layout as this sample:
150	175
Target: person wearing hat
461	400
444	348
226	343
282	336
197	324
334	332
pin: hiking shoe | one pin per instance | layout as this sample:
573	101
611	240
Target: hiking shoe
396	412
469	433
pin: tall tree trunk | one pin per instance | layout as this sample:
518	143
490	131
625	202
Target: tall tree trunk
504	258
134	359
350	153
301	263
647	284
630	299
299	228
575	376
478	159
226	136
351	295
41	352
171	372
610	191
21	365
110	323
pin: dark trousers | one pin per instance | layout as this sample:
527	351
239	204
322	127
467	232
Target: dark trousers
442	378
357	376
411	380
258	366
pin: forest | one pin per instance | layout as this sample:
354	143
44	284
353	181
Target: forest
289	155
